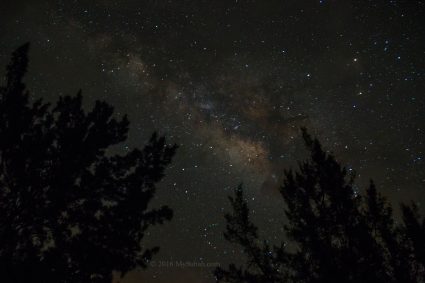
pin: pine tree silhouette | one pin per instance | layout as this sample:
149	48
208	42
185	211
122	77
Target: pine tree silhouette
412	233
70	212
337	235
333	240
265	264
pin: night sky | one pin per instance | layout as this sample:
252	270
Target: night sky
232	82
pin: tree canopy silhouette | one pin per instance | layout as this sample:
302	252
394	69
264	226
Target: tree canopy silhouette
69	211
335	233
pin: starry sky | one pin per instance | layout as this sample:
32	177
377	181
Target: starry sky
231	82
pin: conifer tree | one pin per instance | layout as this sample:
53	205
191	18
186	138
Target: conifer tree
69	210
332	238
264	263
336	233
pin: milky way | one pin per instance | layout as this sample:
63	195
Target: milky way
232	82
